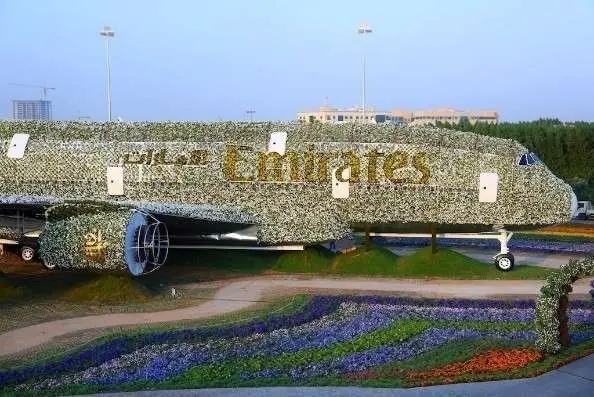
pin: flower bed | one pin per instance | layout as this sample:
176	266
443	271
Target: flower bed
516	243
489	361
571	229
333	337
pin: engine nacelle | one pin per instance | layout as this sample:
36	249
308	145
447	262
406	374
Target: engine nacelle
115	240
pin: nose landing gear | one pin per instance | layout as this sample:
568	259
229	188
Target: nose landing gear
504	261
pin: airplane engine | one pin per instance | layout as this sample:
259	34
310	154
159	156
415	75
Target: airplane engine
121	240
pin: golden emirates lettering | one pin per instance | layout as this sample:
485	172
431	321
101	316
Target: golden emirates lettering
315	166
243	164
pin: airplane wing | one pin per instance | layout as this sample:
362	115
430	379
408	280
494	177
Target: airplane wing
203	224
188	224
121	235
206	212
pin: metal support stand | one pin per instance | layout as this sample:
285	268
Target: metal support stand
433	239
504	260
504	238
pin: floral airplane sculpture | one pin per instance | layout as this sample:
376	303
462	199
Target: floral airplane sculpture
148	187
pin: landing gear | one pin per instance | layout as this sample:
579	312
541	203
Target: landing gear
504	261
27	253
49	266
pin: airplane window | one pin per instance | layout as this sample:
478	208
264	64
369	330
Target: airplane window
535	158
529	159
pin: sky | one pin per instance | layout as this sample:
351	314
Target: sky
213	60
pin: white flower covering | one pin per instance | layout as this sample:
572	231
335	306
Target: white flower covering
69	160
200	211
62	243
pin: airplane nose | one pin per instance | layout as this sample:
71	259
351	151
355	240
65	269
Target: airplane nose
574	204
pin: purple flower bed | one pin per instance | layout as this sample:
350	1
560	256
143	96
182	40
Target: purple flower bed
426	341
516	243
179	360
456	303
476	314
325	322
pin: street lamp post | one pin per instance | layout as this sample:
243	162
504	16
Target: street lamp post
363	30
107	33
251	114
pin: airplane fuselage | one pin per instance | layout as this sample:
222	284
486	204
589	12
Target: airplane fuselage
313	189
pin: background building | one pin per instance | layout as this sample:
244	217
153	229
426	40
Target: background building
447	115
32	110
327	114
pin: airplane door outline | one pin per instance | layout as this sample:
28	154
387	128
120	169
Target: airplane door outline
115	181
277	142
488	187
340	190
17	147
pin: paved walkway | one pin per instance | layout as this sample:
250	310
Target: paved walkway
575	379
238	295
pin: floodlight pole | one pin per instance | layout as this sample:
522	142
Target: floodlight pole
107	33
251	114
363	30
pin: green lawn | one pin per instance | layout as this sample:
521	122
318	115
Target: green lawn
108	289
9	291
221	261
451	264
377	261
554	236
311	260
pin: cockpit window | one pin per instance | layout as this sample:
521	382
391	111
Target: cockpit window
529	159
535	158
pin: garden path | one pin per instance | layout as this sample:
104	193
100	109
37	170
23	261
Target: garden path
240	294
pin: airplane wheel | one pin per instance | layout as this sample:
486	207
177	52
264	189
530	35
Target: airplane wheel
504	262
27	253
49	266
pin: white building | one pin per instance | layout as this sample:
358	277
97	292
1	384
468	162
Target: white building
327	114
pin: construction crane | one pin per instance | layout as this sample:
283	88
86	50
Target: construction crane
44	88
